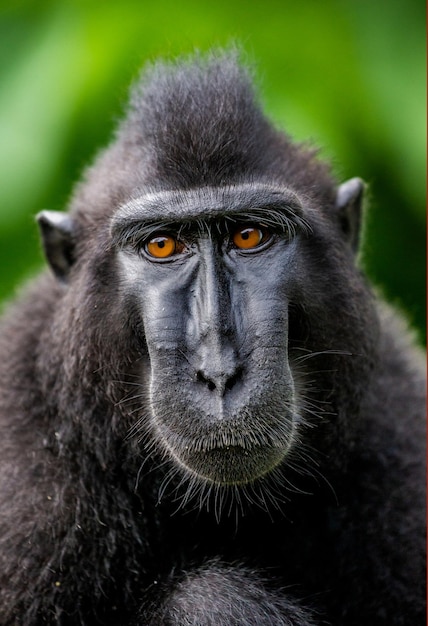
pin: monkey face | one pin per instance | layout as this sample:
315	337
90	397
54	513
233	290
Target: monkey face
213	298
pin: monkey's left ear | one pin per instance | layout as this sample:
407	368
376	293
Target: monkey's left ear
58	238
349	202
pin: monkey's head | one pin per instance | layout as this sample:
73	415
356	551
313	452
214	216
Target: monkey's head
222	256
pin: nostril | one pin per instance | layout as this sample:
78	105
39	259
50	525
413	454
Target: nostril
202	379
231	382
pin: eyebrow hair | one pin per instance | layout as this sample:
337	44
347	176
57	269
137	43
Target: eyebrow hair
180	210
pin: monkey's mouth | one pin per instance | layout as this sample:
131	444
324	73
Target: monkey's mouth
231	465
242	446
226	464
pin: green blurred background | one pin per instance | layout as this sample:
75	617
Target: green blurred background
347	75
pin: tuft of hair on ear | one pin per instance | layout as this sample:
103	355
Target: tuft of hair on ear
57	231
349	206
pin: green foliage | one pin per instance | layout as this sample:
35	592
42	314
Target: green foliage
347	75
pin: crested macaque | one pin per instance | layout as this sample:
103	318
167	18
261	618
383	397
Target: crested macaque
207	417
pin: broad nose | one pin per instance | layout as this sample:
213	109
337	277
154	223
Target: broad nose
217	363
219	371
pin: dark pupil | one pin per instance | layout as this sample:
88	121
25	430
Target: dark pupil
245	234
161	243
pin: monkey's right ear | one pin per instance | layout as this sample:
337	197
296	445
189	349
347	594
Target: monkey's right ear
349	203
58	238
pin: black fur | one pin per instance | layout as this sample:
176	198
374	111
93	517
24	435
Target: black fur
99	523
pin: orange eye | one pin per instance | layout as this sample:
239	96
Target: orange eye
248	237
161	247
